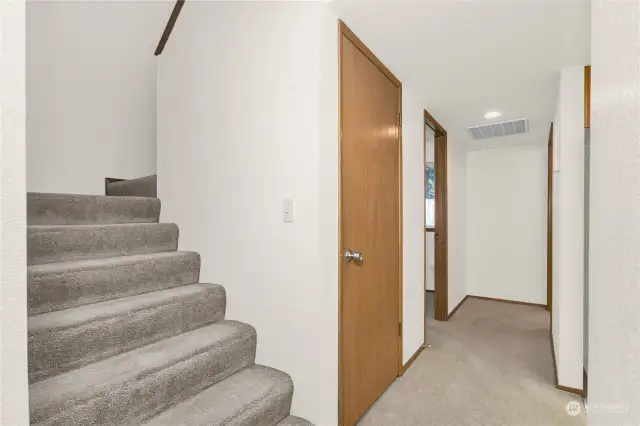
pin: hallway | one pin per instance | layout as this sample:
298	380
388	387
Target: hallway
489	365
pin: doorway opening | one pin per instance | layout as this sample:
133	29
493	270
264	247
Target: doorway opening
436	229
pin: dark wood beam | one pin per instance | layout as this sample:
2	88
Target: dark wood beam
170	24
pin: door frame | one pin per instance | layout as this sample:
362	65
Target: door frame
441	285
344	31
550	220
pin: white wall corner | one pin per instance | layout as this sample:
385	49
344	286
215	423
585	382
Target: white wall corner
614	244
14	399
457	224
568	228
413	292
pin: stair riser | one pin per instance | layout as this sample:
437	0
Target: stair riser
141	187
294	421
52	291
55	351
62	209
275	409
59	244
255	396
136	401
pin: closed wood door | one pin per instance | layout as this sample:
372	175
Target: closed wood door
370	207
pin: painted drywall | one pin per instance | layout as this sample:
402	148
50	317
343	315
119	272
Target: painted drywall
247	116
557	298
430	236
506	223
431	261
14	398
457	215
614	285
91	92
413	223
568	227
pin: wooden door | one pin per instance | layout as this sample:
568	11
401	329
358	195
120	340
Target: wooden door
370	212
441	228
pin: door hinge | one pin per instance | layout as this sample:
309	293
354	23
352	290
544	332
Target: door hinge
400	329
399	119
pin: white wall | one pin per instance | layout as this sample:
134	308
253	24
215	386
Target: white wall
413	223
247	116
457	192
568	227
614	287
14	399
557	297
91	92
506	223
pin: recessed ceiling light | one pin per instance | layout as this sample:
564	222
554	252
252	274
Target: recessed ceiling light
493	114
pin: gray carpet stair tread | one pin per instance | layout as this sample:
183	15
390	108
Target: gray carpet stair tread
120	332
71	338
294	421
256	396
140	187
63	285
72	209
49	244
137	385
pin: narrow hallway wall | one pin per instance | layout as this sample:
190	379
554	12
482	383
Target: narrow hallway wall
413	222
457	192
91	92
568	227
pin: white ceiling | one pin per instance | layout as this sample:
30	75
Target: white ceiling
464	58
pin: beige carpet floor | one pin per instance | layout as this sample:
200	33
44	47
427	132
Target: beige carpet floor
490	365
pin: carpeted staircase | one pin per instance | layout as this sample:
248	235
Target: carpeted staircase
122	333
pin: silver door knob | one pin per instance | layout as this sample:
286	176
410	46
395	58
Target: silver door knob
354	256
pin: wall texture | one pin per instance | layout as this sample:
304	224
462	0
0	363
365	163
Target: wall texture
568	227
413	223
614	291
233	143
91	92
457	192
506	224
14	398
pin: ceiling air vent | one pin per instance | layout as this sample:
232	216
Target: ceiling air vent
503	128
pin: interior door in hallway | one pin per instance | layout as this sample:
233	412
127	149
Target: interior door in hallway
370	228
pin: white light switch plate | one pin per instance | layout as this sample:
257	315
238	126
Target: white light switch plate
287	210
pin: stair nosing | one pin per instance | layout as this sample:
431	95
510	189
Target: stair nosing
100	225
38	390
118	197
97	263
280	378
120	306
